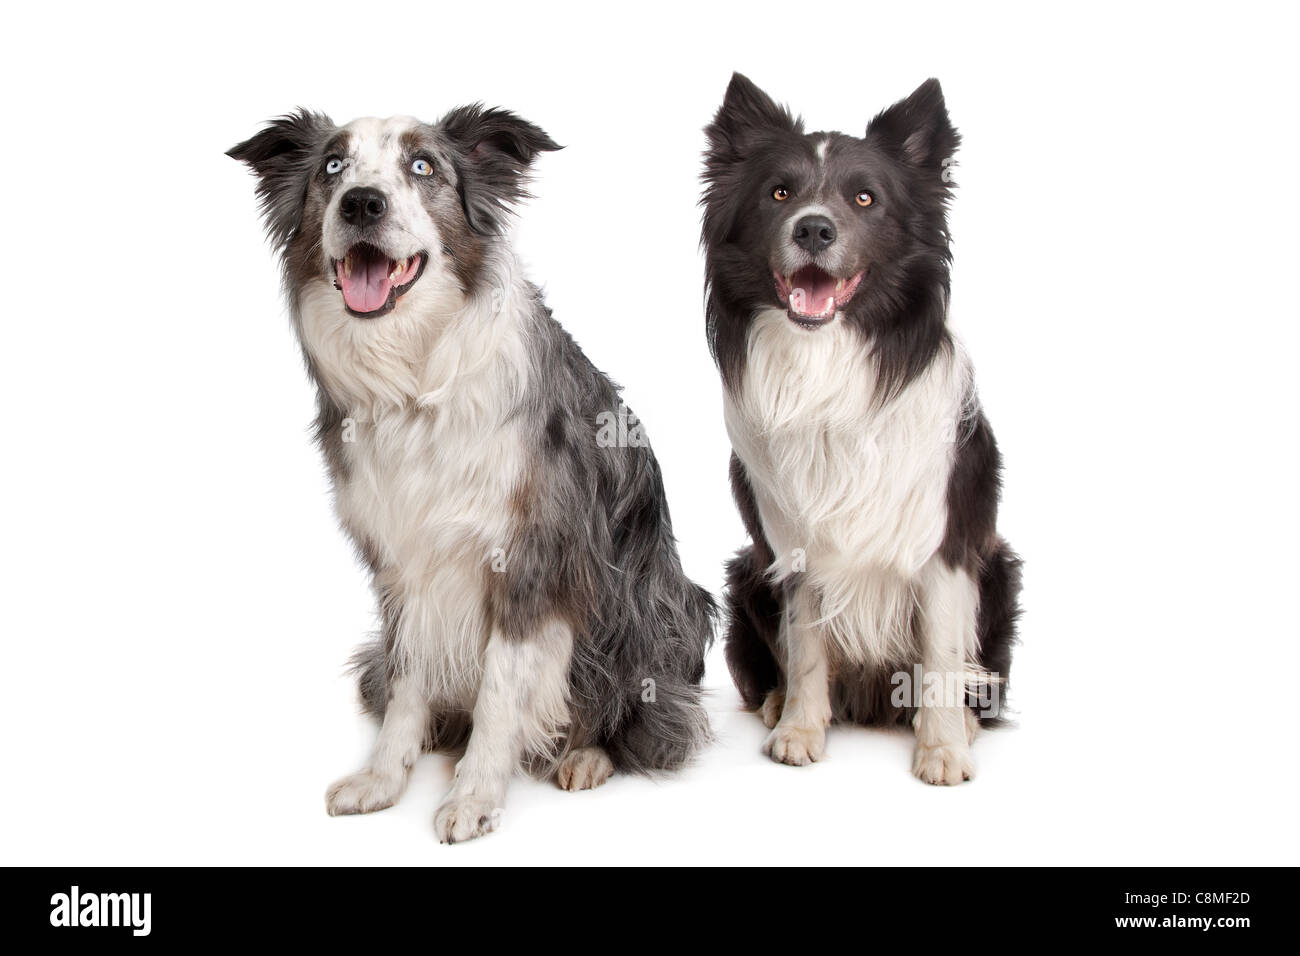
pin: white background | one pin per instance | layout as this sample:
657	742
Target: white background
178	604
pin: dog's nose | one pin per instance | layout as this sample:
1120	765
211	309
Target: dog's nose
814	233
363	206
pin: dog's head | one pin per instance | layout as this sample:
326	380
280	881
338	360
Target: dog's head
824	224
387	211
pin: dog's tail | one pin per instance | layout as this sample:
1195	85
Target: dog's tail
753	619
371	669
665	727
640	682
999	611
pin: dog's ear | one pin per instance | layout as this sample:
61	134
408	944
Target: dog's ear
283	156
917	129
746	112
493	150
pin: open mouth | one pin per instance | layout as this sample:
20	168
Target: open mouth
371	281
812	295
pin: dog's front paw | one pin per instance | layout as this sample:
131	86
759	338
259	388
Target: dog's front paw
946	765
363	792
773	704
797	746
462	818
584	768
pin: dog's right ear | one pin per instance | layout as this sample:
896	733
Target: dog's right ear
283	156
746	113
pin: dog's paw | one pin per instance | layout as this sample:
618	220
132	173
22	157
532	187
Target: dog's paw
584	768
363	792
944	765
462	818
770	712
797	746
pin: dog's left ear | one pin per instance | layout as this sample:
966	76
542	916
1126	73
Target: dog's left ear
917	129
283	155
494	149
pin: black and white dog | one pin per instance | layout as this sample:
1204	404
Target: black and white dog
534	608
876	588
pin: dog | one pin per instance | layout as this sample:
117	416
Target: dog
534	609
876	588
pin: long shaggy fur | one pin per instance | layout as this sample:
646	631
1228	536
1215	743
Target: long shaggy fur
838	461
460	431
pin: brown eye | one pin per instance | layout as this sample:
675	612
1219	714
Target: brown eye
780	193
864	198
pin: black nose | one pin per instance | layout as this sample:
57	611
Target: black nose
363	206
814	233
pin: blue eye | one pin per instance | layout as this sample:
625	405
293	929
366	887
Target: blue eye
333	166
422	167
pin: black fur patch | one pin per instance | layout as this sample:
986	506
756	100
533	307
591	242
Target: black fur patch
974	488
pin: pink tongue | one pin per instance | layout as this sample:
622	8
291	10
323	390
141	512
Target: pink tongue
367	289
811	293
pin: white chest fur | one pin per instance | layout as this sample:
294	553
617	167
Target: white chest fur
851	493
432	499
433	455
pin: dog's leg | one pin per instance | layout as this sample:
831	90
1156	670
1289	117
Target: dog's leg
521	706
799	737
949	604
406	722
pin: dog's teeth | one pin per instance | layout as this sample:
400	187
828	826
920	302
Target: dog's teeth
347	265
398	268
839	285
